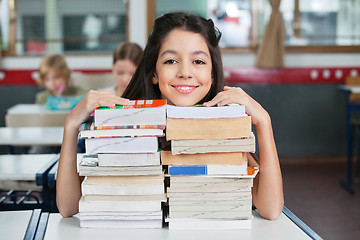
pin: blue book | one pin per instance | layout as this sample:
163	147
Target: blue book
207	169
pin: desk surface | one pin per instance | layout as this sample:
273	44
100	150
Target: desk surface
30	136
13	224
33	109
23	167
69	228
36	115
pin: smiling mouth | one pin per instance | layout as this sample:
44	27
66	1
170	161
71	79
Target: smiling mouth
184	88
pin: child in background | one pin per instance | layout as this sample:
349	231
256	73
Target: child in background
181	63
55	78
126	57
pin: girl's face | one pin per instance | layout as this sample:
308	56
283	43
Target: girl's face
54	82
183	68
123	70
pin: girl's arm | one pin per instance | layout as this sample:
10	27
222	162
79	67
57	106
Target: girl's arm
268	189
68	182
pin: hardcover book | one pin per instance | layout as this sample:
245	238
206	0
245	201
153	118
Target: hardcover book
207	169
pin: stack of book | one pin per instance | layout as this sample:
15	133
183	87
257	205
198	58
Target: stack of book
124	181
210	181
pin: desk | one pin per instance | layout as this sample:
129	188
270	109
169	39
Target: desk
19	224
350	107
31	136
36	115
282	228
32	168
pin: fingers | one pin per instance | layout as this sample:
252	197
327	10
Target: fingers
229	95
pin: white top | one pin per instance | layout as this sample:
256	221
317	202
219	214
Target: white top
31	136
13	224
23	167
69	228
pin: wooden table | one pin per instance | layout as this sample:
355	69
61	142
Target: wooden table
282	228
34	115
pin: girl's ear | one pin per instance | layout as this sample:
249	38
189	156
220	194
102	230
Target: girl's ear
155	79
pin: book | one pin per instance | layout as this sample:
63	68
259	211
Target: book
199	196
126	198
208	224
204	188
174	180
119	171
124	224
217	207
105	189
121	215
121	145
232	158
88	130
213	145
137	112
126	180
128	159
121	206
212	214
207	169
219	128
199	111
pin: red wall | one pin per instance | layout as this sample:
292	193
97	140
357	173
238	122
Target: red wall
233	75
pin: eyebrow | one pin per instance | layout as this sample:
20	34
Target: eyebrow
170	51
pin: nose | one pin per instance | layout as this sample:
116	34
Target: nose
184	71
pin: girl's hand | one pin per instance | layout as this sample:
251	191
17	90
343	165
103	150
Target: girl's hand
87	105
236	95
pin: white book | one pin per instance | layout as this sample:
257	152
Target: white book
210	189
120	215
120	171
211	202
124	224
207	196
124	132
211	208
126	198
208	224
129	159
212	214
138	112
121	145
100	189
120	206
213	145
230	111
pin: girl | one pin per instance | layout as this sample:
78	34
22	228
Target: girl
182	63
55	78
126	57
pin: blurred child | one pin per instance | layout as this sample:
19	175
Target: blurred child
126	57
55	78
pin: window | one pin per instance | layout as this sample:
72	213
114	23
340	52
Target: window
69	26
307	22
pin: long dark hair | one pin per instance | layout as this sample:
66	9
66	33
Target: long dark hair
141	86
